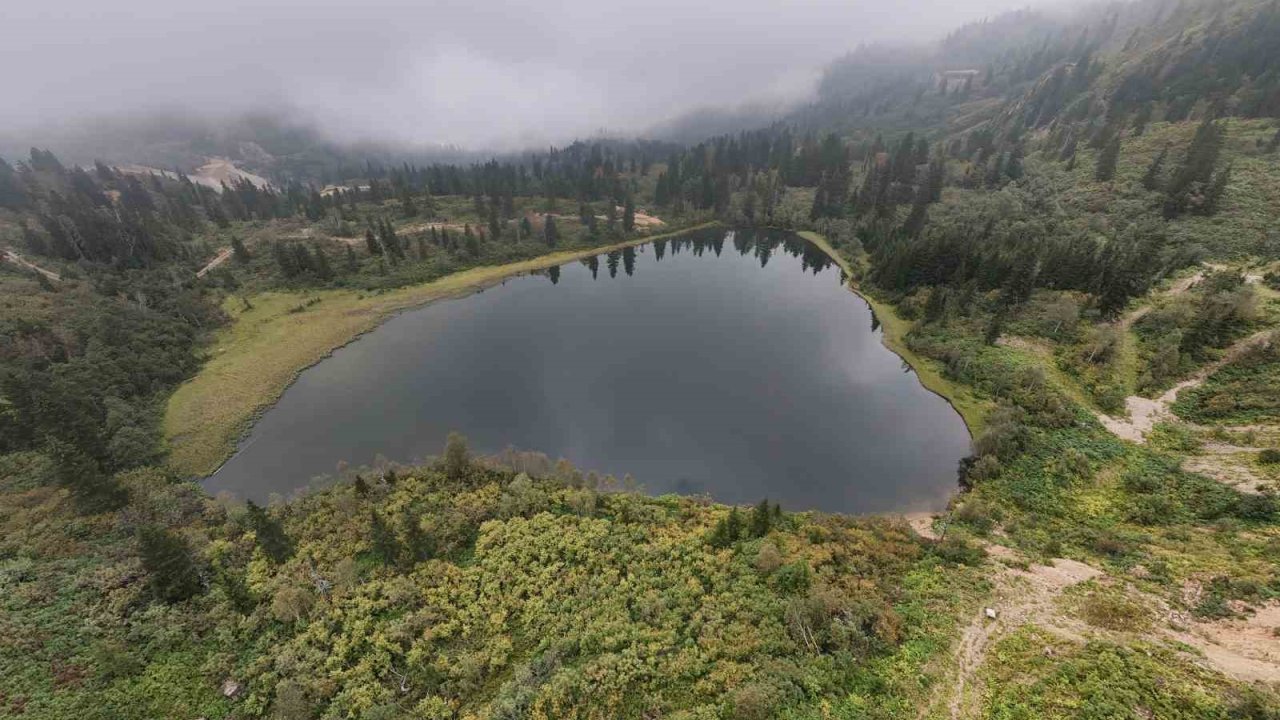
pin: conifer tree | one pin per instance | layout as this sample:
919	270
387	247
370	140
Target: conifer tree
457	458
170	564
470	241
629	214
416	545
550	234
269	533
239	251
321	263
1151	178
371	242
761	519
92	489
352	264
733	525
385	546
1105	170
1196	169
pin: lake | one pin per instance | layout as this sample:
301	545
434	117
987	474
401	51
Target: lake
732	363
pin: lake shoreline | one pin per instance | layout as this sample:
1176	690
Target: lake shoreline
208	417
893	332
200	449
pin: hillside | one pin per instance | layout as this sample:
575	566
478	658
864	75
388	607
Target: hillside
1076	245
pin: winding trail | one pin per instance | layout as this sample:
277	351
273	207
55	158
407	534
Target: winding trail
1028	594
223	255
1142	414
16	259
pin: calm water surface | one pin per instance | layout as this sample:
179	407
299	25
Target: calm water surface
730	363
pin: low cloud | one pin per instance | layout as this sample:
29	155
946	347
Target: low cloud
494	74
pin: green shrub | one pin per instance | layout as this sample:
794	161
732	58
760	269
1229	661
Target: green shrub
794	578
956	551
1113	612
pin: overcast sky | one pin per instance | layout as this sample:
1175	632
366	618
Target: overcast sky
474	73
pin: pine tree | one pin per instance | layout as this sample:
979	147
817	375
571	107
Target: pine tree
352	264
1214	192
321	263
385	546
733	525
550	234
1151	178
470	241
93	490
1105	170
239	251
269	533
1196	169
761	519
371	242
495	224
629	214
416	545
407	206
457	458
168	560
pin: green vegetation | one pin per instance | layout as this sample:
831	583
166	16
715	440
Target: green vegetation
1089	217
1241	393
464	589
1037	675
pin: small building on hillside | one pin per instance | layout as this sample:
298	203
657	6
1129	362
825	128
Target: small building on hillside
954	79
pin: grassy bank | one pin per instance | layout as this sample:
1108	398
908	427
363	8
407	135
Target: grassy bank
972	408
279	334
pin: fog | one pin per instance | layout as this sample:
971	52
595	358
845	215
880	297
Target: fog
490	74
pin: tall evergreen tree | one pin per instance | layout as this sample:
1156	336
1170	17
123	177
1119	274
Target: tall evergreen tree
629	214
385	545
416	545
321	263
1151	178
550	235
170	564
239	251
93	490
761	519
1105	170
269	533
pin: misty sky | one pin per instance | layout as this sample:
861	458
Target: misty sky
479	73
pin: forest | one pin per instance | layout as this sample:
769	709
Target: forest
1083	227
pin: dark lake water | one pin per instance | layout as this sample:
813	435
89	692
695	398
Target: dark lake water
730	363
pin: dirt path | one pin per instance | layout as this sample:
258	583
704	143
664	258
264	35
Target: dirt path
1021	597
223	255
1142	414
1243	648
20	261
219	170
1178	287
1230	465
